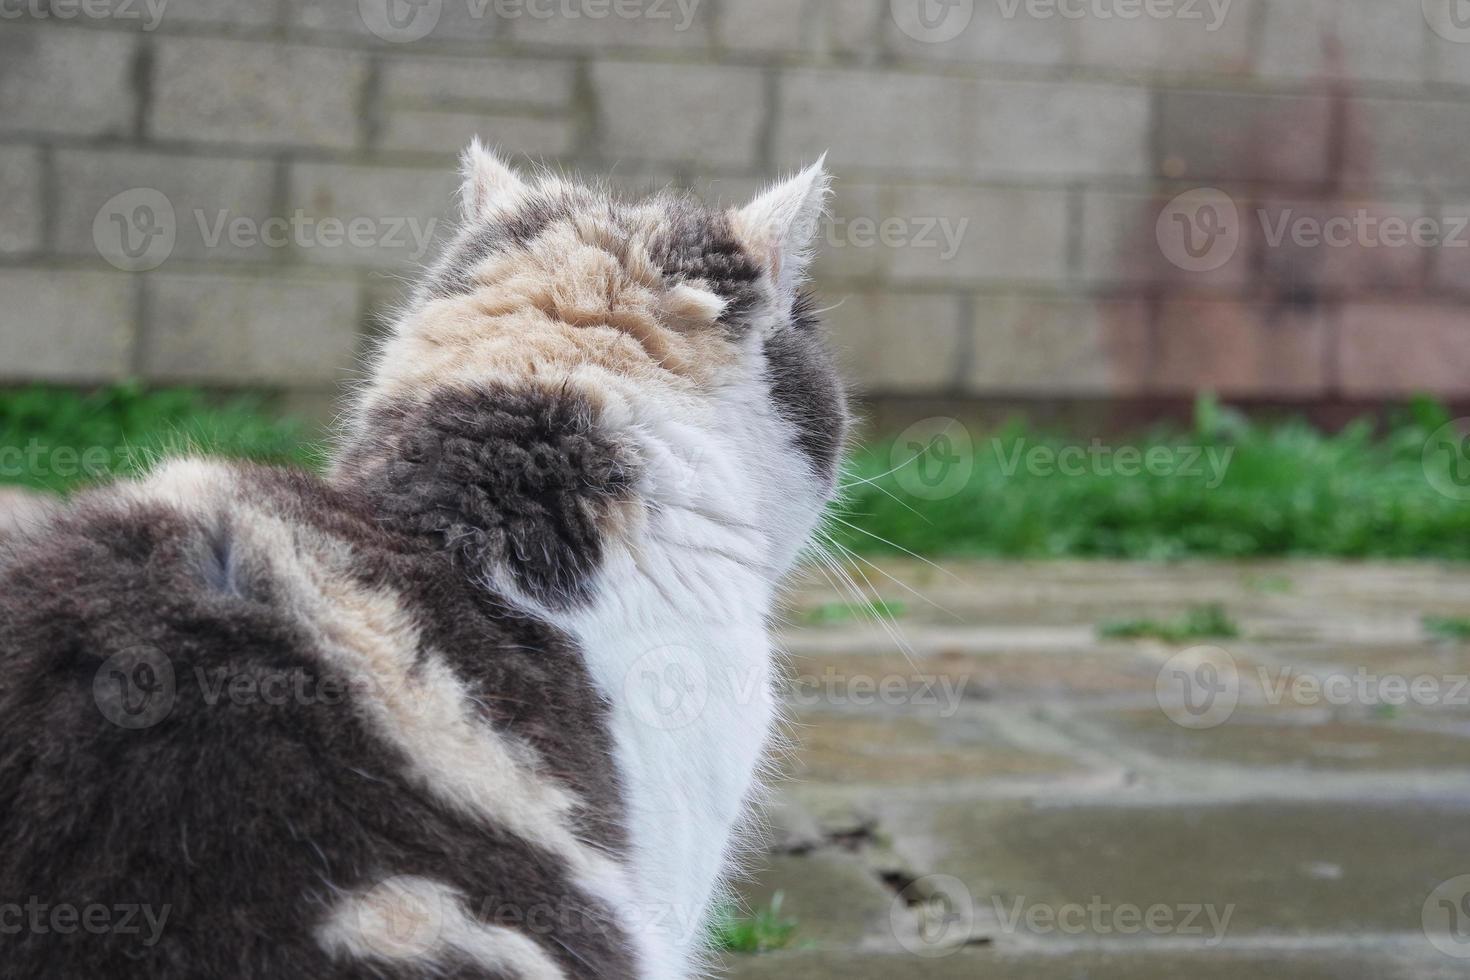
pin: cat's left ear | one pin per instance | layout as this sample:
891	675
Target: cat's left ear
489	185
782	226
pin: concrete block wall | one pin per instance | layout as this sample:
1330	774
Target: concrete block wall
1038	199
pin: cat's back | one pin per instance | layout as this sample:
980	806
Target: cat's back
245	730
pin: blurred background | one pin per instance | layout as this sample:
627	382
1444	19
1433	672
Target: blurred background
1171	294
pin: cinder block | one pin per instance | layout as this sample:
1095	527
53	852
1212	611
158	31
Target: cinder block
980	32
1350	40
968	236
1057	345
20	200
684	25
66	81
1354	244
423	131
250	331
852	245
257	93
403	214
234	13
455	82
1450	268
851	27
661	112
1448	54
404	27
205	200
893	342
766	25
1238	136
65	326
923	124
1399	349
1408	142
1129	238
1198	38
1240	348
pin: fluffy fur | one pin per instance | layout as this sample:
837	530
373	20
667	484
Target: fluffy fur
491	699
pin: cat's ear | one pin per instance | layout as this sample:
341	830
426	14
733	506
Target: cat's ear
782	225
489	185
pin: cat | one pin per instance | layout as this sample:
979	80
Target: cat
493	697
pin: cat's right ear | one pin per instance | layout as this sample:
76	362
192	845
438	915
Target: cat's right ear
489	185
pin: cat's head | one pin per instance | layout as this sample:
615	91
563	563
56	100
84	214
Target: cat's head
665	318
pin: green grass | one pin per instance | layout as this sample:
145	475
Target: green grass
1455	628
59	439
846	612
763	932
1289	489
1200	623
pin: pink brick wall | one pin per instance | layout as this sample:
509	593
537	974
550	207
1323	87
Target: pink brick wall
1003	176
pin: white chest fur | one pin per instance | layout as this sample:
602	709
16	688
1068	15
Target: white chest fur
692	712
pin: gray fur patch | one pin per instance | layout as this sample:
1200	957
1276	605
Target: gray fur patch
240	818
502	478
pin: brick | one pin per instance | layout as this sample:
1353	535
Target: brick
198	189
257	93
1350	40
1057	345
1239	349
1196	39
1399	141
451	21
988	36
236	13
72	82
598	25
65	326
1038	34
1120	243
20	199
406	209
939	125
851	246
1398	349
448	132
953	235
850	27
499	82
1352	244
1449	43
765	25
1451	266
1233	136
437	104
894	342
249	331
680	112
